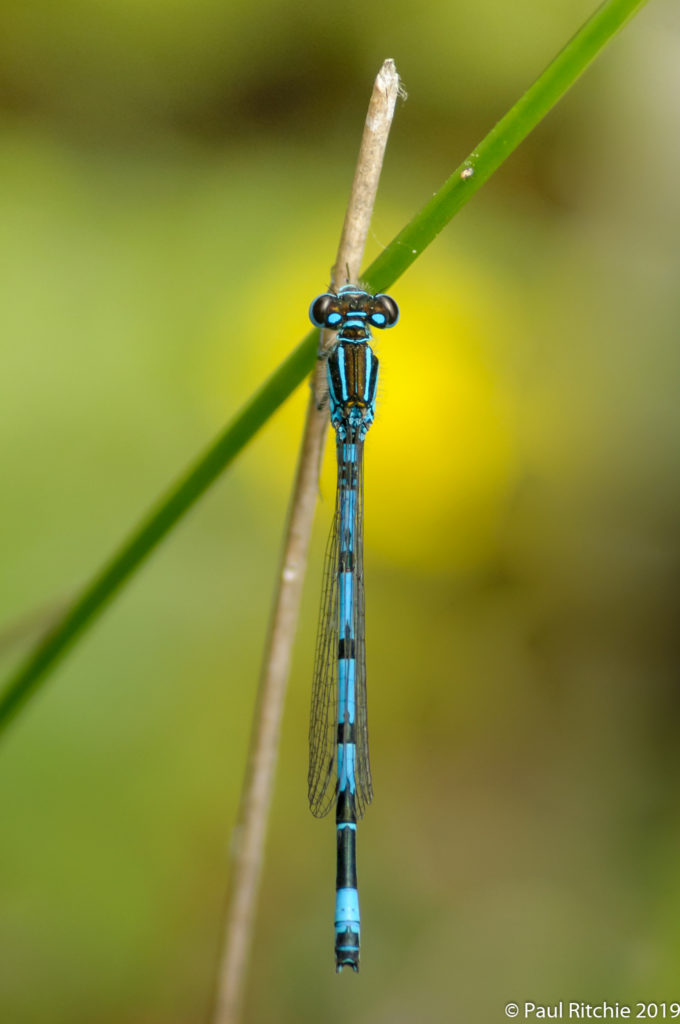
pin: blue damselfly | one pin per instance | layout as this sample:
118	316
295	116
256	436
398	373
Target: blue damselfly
339	768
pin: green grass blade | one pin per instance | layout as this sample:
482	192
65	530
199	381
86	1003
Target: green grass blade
169	510
497	146
393	261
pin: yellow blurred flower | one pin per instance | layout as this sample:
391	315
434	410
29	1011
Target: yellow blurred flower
441	454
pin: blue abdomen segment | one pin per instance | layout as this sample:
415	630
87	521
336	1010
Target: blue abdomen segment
347	929
347	917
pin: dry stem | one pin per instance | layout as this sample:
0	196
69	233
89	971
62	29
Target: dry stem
258	785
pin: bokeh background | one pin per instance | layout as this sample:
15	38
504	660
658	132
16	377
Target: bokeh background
173	185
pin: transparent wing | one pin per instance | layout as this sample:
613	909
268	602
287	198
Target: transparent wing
363	781
323	720
323	724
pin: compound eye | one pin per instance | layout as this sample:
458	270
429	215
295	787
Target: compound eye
385	311
321	314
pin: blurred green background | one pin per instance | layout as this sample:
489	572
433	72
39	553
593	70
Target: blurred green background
174	177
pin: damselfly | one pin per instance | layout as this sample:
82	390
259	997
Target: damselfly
339	769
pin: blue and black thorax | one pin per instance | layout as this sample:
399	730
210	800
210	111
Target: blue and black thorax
352	365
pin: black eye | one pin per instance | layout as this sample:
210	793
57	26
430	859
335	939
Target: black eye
319	311
385	311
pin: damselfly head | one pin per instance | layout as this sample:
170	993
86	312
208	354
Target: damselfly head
351	305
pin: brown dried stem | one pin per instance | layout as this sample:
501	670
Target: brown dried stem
259	781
